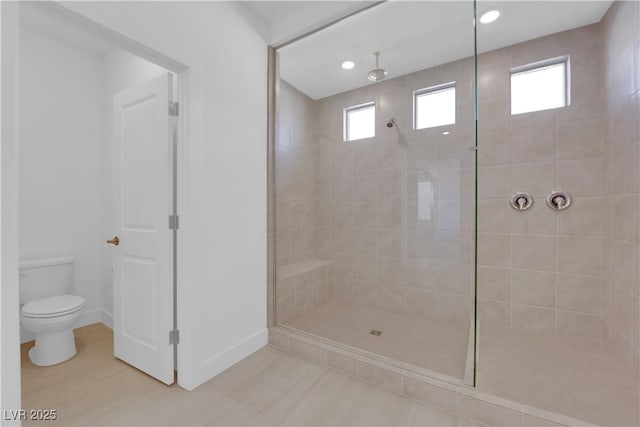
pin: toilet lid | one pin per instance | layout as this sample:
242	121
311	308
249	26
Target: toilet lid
54	306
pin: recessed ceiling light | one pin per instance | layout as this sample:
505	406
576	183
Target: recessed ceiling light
347	65
489	16
445	133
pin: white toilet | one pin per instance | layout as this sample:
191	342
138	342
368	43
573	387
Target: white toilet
49	311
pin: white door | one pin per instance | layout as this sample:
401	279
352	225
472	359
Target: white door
143	270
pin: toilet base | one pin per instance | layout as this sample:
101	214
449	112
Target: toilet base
53	348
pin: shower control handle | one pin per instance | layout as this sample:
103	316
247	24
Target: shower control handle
521	201
559	200
114	241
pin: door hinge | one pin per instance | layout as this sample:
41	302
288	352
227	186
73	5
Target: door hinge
174	108
174	222
174	337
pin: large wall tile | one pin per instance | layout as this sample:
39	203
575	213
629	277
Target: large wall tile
582	139
535	319
580	255
535	178
581	178
580	293
494	283
534	252
584	217
494	250
533	288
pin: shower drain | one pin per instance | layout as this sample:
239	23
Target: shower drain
376	332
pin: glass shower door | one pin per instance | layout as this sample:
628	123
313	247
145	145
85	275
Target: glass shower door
375	186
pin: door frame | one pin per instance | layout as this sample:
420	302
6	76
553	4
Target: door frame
9	27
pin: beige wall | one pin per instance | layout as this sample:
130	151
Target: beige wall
540	270
295	156
387	249
365	198
621	59
303	283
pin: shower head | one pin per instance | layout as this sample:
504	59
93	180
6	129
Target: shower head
391	123
377	73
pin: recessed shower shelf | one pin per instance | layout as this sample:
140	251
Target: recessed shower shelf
309	264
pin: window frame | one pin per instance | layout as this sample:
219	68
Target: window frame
346	121
541	65
430	90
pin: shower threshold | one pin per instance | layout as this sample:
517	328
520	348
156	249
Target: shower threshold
444	392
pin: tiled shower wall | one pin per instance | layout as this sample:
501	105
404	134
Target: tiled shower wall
395	213
302	283
621	58
294	176
541	270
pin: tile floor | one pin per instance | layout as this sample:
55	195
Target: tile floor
561	374
270	387
426	343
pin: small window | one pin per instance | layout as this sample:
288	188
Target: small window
434	106
540	86
360	121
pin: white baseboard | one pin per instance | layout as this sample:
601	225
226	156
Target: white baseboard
89	317
107	319
222	361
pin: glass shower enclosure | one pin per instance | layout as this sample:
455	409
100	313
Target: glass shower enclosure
375	169
460	202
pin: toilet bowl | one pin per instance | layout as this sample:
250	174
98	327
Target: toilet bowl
51	320
50	310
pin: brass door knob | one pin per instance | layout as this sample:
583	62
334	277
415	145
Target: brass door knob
114	241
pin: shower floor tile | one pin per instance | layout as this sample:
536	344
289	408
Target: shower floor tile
561	374
425	343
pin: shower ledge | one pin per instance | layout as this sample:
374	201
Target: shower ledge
309	264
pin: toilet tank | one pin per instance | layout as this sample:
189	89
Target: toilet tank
45	277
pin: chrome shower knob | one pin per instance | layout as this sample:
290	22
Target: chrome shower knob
521	201
559	200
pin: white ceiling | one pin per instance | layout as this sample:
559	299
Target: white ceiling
411	35
285	20
416	35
